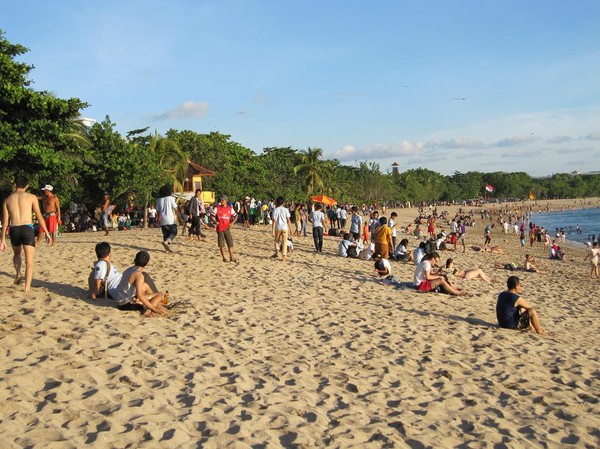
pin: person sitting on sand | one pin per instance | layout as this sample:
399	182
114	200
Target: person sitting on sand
529	266
382	266
473	273
134	293
106	277
344	248
402	253
419	253
555	253
513	312
425	280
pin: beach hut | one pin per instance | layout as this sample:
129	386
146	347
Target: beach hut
193	181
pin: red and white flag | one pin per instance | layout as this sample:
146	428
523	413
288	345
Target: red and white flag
489	188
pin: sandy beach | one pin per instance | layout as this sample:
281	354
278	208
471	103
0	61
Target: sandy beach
315	352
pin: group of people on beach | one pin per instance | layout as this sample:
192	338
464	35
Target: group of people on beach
135	290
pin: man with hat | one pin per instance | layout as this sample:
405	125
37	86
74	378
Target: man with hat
51	212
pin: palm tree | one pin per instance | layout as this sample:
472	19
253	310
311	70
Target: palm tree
171	158
313	171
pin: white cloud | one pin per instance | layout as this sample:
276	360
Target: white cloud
593	136
379	151
455	143
560	139
186	110
515	140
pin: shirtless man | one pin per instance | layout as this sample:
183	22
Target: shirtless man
51	213
19	207
105	217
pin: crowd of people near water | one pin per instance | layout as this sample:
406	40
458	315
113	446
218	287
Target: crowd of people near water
364	232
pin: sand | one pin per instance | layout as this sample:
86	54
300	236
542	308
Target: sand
316	352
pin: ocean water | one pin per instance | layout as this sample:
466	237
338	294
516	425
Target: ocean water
587	219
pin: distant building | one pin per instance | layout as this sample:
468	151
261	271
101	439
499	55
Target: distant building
395	169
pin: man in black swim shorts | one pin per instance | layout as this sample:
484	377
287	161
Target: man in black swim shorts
19	208
22	235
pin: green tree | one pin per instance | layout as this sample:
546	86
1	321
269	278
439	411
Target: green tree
313	170
35	128
281	180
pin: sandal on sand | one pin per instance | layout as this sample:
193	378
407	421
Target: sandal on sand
184	304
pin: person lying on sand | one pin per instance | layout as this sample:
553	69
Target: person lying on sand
491	249
513	312
474	273
425	279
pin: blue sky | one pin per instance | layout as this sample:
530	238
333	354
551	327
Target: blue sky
444	85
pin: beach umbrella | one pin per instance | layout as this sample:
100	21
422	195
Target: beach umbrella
323	199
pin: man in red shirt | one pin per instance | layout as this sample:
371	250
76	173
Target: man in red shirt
225	215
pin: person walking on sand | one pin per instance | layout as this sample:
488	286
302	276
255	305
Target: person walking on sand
105	208
168	214
593	254
224	216
197	211
17	210
280	228
462	235
513	312
317	218
51	213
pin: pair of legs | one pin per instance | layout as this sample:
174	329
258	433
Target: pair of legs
594	272
104	219
534	321
155	298
196	229
318	239
169	232
461	239
224	239
281	241
474	274
448	288
52	225
29	251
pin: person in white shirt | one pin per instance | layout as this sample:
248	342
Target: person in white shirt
317	218
280	227
425	280
392	225
345	245
402	252
419	253
104	283
383	267
167	209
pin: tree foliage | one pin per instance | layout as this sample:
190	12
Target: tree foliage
35	128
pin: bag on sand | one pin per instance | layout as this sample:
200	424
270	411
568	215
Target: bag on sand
91	281
352	251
